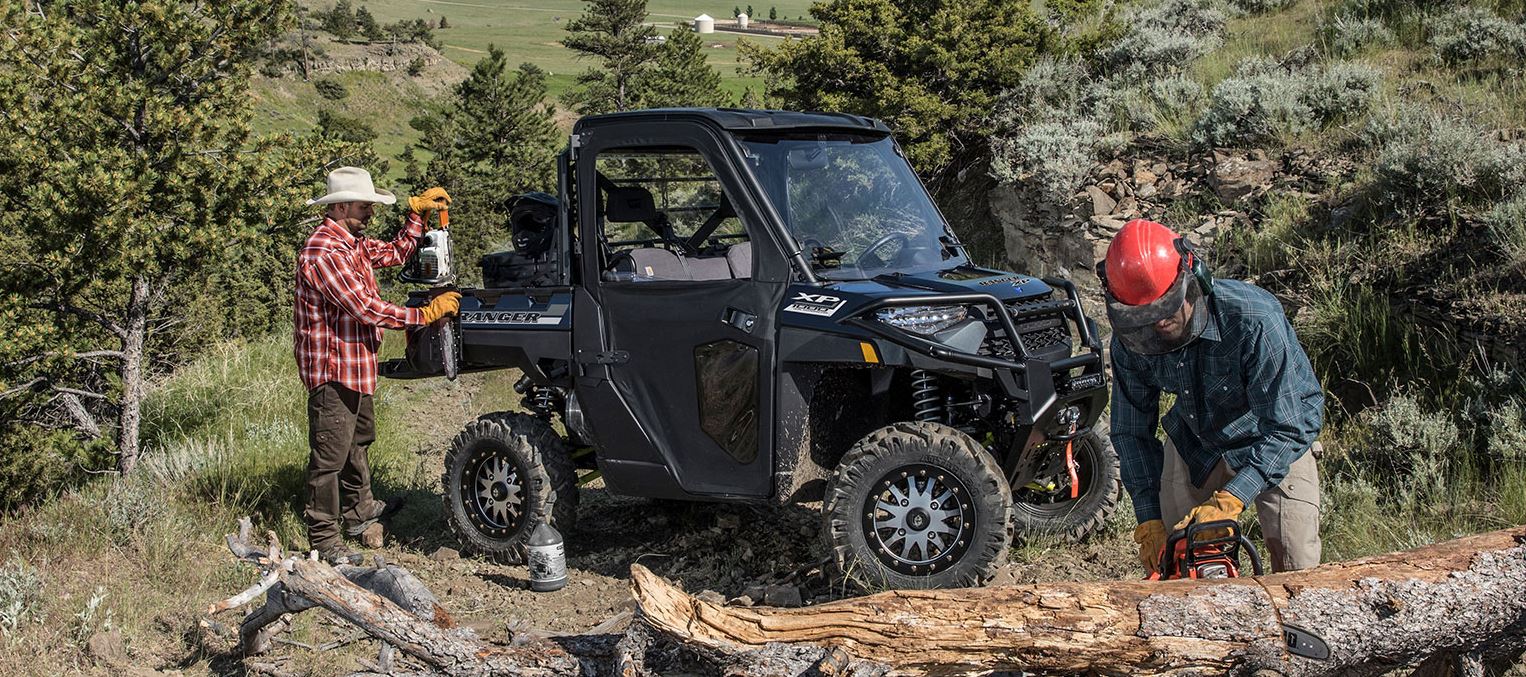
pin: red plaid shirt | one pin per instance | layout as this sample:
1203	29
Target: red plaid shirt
339	318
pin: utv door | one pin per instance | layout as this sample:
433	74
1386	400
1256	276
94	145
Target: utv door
676	346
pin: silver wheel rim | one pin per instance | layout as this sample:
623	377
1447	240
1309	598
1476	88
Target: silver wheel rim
494	492
918	519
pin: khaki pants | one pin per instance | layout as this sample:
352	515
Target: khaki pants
340	428
1289	512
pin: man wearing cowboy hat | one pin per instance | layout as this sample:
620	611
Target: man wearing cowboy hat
337	328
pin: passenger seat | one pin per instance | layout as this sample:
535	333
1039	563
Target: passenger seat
650	262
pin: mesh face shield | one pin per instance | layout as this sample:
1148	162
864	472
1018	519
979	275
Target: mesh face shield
1136	326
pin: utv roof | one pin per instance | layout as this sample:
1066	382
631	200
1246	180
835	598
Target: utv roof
737	119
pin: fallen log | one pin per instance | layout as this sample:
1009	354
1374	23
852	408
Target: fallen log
1466	596
390	604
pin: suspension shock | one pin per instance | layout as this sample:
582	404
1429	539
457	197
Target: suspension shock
926	400
541	400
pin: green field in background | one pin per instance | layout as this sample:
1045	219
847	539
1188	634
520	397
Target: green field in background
531	31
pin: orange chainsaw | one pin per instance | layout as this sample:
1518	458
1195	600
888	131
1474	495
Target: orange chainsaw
1190	553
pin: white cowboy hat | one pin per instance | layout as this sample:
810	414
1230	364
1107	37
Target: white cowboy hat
352	184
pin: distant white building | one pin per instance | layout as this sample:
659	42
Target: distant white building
704	23
742	20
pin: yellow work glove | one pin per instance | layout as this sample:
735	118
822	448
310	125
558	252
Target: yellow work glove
431	200
1151	537
442	305
1221	506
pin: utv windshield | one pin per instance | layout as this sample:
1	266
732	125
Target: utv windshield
853	204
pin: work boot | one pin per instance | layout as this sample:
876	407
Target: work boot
338	554
384	512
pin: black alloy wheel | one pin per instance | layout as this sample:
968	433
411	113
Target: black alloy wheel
504	474
917	505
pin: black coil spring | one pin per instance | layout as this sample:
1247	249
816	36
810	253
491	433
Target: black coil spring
925	398
541	400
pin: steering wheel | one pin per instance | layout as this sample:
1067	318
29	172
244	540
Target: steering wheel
881	242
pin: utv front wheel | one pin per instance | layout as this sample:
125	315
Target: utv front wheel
918	505
504	474
1044	505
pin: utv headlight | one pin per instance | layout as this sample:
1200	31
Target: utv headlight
925	320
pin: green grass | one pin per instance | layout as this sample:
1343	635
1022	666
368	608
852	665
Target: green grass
386	101
225	437
1272	34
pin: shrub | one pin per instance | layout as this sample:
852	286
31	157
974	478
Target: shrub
416	66
342	128
1052	156
331	89
1426	159
1473	34
1507	227
1506	437
131	506
1414	443
1164	38
20	593
1263	102
1345	35
1259	6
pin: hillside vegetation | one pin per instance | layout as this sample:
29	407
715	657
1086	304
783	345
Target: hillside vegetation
1391	222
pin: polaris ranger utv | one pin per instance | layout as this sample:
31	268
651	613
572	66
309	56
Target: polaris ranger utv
728	305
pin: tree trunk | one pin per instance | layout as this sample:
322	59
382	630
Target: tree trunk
1466	595
133	357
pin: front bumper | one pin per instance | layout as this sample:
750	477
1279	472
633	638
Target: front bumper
1041	387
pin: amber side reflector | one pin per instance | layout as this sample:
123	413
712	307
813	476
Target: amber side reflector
869	355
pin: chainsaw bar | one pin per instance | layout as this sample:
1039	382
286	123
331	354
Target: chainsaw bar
1303	643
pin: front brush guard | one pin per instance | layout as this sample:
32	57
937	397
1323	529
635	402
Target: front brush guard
1036	392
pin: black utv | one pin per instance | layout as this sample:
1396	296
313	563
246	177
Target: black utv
764	306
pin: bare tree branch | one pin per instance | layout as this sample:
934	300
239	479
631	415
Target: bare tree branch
80	414
22	388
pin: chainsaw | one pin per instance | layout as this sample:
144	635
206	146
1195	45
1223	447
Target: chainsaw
431	265
1191	553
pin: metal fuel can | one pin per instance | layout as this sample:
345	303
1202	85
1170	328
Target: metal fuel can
547	559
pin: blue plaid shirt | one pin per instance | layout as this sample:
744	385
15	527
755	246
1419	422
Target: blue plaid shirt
1245	392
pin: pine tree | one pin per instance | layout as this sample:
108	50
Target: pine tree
736	11
442	23
681	77
613	31
340	19
496	138
935	88
367	25
773	13
133	196
749	12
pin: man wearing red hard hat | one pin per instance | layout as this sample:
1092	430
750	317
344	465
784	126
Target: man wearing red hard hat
1248	406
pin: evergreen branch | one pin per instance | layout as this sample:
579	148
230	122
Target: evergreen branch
91	315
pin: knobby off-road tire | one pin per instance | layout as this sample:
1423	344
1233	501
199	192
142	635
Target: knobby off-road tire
949	491
1074	519
505	473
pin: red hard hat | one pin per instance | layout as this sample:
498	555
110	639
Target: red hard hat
1142	262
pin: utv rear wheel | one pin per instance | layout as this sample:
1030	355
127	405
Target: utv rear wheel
504	474
918	505
1044	505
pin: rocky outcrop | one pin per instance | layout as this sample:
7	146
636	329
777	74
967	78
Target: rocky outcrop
1215	190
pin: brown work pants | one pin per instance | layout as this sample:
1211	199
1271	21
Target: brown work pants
1289	512
340	427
